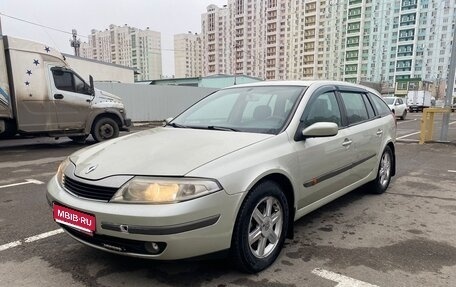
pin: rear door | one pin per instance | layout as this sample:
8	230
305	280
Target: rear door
364	132
72	98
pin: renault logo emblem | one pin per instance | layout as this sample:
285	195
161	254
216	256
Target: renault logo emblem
91	168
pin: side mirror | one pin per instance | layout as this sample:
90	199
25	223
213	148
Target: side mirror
92	88
320	129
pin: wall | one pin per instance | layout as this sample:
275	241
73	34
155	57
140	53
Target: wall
154	103
100	71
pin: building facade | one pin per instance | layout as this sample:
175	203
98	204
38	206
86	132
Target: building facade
381	41
188	55
127	46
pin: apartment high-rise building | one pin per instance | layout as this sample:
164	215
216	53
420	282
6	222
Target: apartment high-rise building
245	37
383	41
187	55
124	45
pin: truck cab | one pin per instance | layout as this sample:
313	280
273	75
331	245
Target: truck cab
43	96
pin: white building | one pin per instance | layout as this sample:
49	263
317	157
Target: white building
188	55
127	46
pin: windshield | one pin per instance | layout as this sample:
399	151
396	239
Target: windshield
249	109
389	101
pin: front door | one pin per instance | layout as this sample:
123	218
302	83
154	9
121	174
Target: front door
324	162
72	98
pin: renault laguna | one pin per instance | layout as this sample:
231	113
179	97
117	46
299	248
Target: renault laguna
231	173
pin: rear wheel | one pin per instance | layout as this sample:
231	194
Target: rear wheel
79	139
105	129
385	170
404	114
260	228
10	130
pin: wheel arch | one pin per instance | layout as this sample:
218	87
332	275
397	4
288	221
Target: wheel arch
112	114
287	188
393	150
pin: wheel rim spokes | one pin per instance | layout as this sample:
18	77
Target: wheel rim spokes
385	169
265	227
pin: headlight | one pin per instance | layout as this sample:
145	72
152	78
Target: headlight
61	170
162	190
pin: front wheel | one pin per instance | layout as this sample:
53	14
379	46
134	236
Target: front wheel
105	129
260	229
385	171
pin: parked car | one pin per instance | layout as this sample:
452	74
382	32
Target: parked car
232	172
397	106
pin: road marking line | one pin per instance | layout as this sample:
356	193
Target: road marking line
407	135
43	235
343	281
30	239
406	121
450	170
10	245
27	181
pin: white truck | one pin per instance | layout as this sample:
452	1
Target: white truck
418	100
40	95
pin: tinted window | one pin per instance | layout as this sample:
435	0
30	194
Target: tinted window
381	107
63	80
399	101
323	108
67	81
370	109
355	107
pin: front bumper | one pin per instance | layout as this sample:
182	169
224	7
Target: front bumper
126	125
182	230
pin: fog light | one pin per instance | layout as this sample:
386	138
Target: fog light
153	247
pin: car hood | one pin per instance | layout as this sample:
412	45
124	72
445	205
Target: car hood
162	151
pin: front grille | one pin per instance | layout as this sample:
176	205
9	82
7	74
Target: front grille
121	244
88	190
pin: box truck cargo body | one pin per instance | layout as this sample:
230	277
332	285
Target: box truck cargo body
418	100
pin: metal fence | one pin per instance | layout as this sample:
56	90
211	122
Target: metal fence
154	103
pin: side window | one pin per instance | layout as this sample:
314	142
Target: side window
67	81
399	101
381	107
63	80
79	85
323	108
355	107
370	109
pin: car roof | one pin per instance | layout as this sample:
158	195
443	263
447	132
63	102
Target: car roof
307	83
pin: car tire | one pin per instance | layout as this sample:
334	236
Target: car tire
384	173
260	229
105	129
404	114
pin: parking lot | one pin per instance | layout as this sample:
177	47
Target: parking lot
405	237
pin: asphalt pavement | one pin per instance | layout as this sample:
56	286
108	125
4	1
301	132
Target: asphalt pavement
405	237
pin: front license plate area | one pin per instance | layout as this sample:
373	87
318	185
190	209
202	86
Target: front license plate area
76	219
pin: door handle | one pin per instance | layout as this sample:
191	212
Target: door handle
58	96
379	132
347	142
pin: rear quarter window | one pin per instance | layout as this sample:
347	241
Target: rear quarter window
381	107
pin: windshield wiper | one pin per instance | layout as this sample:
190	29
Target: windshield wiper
174	125
219	128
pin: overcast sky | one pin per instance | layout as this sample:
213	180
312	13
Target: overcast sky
166	16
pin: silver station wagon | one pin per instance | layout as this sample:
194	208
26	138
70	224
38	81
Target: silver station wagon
231	173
